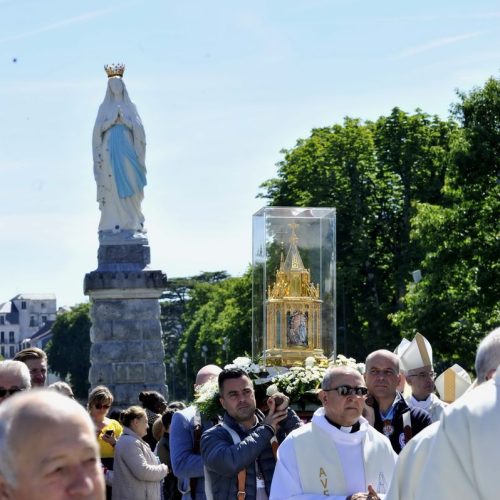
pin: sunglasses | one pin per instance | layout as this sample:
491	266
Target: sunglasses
4	392
99	406
347	390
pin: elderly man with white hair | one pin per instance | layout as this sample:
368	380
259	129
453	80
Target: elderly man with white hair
48	449
488	356
14	377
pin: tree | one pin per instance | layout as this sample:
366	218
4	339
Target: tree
218	316
69	349
458	300
174	302
373	174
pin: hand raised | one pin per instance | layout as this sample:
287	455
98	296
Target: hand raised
274	416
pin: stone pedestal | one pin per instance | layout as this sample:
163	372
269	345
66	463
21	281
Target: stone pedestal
127	352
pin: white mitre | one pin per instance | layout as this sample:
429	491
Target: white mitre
400	349
452	383
417	355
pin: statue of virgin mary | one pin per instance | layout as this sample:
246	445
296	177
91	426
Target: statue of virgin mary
119	150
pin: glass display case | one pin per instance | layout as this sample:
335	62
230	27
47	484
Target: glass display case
293	308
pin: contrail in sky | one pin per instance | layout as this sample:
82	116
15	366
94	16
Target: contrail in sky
61	24
440	42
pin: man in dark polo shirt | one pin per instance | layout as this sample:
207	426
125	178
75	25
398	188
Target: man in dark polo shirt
392	415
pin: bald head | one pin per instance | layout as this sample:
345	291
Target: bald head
208	372
64	462
382	376
384	354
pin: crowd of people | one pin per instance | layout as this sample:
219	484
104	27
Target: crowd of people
383	434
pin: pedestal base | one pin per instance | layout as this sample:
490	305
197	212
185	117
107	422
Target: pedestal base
127	353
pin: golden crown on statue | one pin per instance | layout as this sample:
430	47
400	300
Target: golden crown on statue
114	69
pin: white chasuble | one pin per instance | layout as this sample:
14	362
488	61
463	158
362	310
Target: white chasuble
323	470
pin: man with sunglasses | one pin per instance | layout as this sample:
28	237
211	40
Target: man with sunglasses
392	415
338	454
14	377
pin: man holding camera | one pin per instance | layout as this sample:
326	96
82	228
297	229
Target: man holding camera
238	454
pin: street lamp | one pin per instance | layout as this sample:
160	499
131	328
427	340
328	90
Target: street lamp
225	347
204	350
185	361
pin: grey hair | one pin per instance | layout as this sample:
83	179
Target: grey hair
62	388
16	368
488	355
6	462
334	371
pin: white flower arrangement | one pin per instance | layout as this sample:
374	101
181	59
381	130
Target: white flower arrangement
300	381
297	383
342	360
247	366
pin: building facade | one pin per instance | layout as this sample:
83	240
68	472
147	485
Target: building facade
23	318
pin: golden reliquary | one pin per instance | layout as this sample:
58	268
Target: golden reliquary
293	311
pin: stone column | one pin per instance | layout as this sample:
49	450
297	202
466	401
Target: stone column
127	352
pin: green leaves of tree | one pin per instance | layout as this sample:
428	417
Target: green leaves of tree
69	349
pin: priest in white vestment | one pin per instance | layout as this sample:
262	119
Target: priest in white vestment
465	453
416	362
338	455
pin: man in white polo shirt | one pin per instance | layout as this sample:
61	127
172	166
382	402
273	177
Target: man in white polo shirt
338	454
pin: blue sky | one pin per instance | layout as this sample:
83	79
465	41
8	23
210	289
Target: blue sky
222	87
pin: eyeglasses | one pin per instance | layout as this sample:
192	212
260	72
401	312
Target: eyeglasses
423	375
347	390
4	392
99	406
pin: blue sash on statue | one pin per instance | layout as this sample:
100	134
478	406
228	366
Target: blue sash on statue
120	149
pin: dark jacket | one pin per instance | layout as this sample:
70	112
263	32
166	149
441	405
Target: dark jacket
186	460
419	420
223	459
170	491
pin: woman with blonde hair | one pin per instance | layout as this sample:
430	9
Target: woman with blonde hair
107	429
137	473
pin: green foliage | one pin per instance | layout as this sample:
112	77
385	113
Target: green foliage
457	301
211	310
374	174
69	349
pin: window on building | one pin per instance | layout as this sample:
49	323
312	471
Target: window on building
2	337
23	305
2	351
32	321
11	337
12	350
44	319
2	320
42	305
